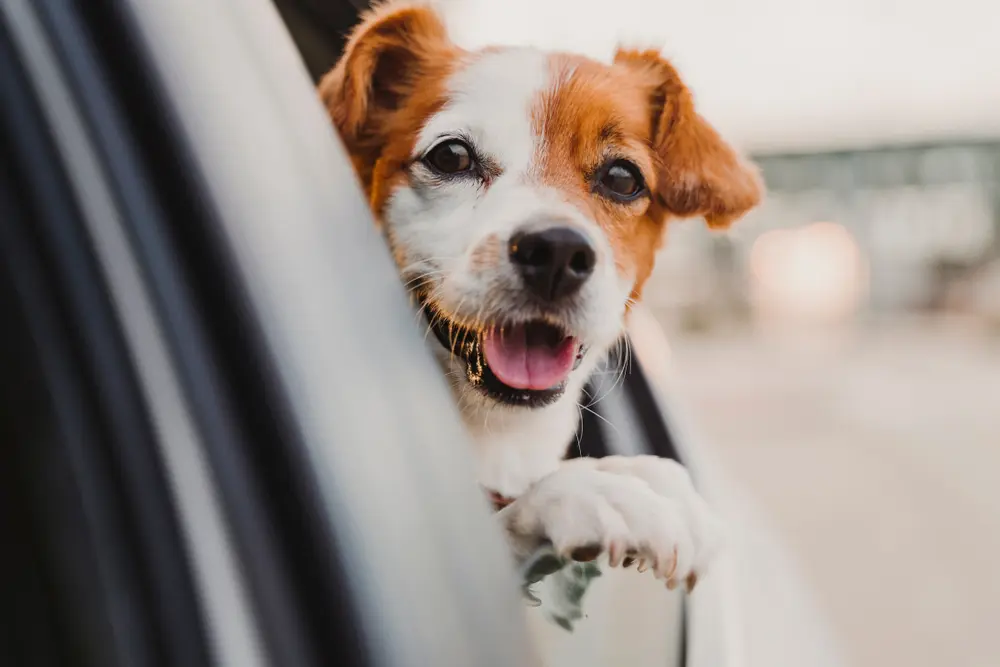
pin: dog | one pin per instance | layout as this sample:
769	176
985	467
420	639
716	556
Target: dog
524	195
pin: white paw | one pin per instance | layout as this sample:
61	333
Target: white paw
640	509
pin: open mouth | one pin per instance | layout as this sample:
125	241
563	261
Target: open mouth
521	363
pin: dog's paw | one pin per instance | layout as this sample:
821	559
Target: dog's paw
641	510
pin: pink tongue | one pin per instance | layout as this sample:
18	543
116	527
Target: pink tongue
525	361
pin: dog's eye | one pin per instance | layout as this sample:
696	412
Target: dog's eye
621	180
450	157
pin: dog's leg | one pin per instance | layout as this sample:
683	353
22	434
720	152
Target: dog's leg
640	509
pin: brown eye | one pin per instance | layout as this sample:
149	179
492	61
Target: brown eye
450	157
621	180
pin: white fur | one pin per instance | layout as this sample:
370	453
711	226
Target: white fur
642	504
436	227
491	98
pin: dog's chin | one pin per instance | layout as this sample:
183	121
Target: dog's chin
481	351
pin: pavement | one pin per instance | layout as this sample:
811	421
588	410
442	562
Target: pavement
875	453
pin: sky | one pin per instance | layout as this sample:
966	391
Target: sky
788	75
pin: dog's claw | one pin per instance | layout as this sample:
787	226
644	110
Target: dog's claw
587	553
673	565
615	554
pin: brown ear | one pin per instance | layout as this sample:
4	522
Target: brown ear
700	174
387	53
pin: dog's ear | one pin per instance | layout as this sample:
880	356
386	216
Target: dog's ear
699	173
384	58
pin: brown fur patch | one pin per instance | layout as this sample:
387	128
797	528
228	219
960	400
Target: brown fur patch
699	173
388	83
637	109
593	113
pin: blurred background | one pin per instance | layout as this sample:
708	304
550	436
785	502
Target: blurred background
838	351
840	348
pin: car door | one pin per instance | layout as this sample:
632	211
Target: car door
227	442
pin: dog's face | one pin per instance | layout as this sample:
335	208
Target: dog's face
523	193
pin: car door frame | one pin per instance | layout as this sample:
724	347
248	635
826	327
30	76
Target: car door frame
281	503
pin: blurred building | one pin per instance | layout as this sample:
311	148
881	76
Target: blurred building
900	229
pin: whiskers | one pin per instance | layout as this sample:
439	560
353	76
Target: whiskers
621	353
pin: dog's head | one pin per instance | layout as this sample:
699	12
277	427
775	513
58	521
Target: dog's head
524	194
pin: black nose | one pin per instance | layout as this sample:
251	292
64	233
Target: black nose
553	262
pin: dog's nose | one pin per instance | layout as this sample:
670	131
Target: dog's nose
553	262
